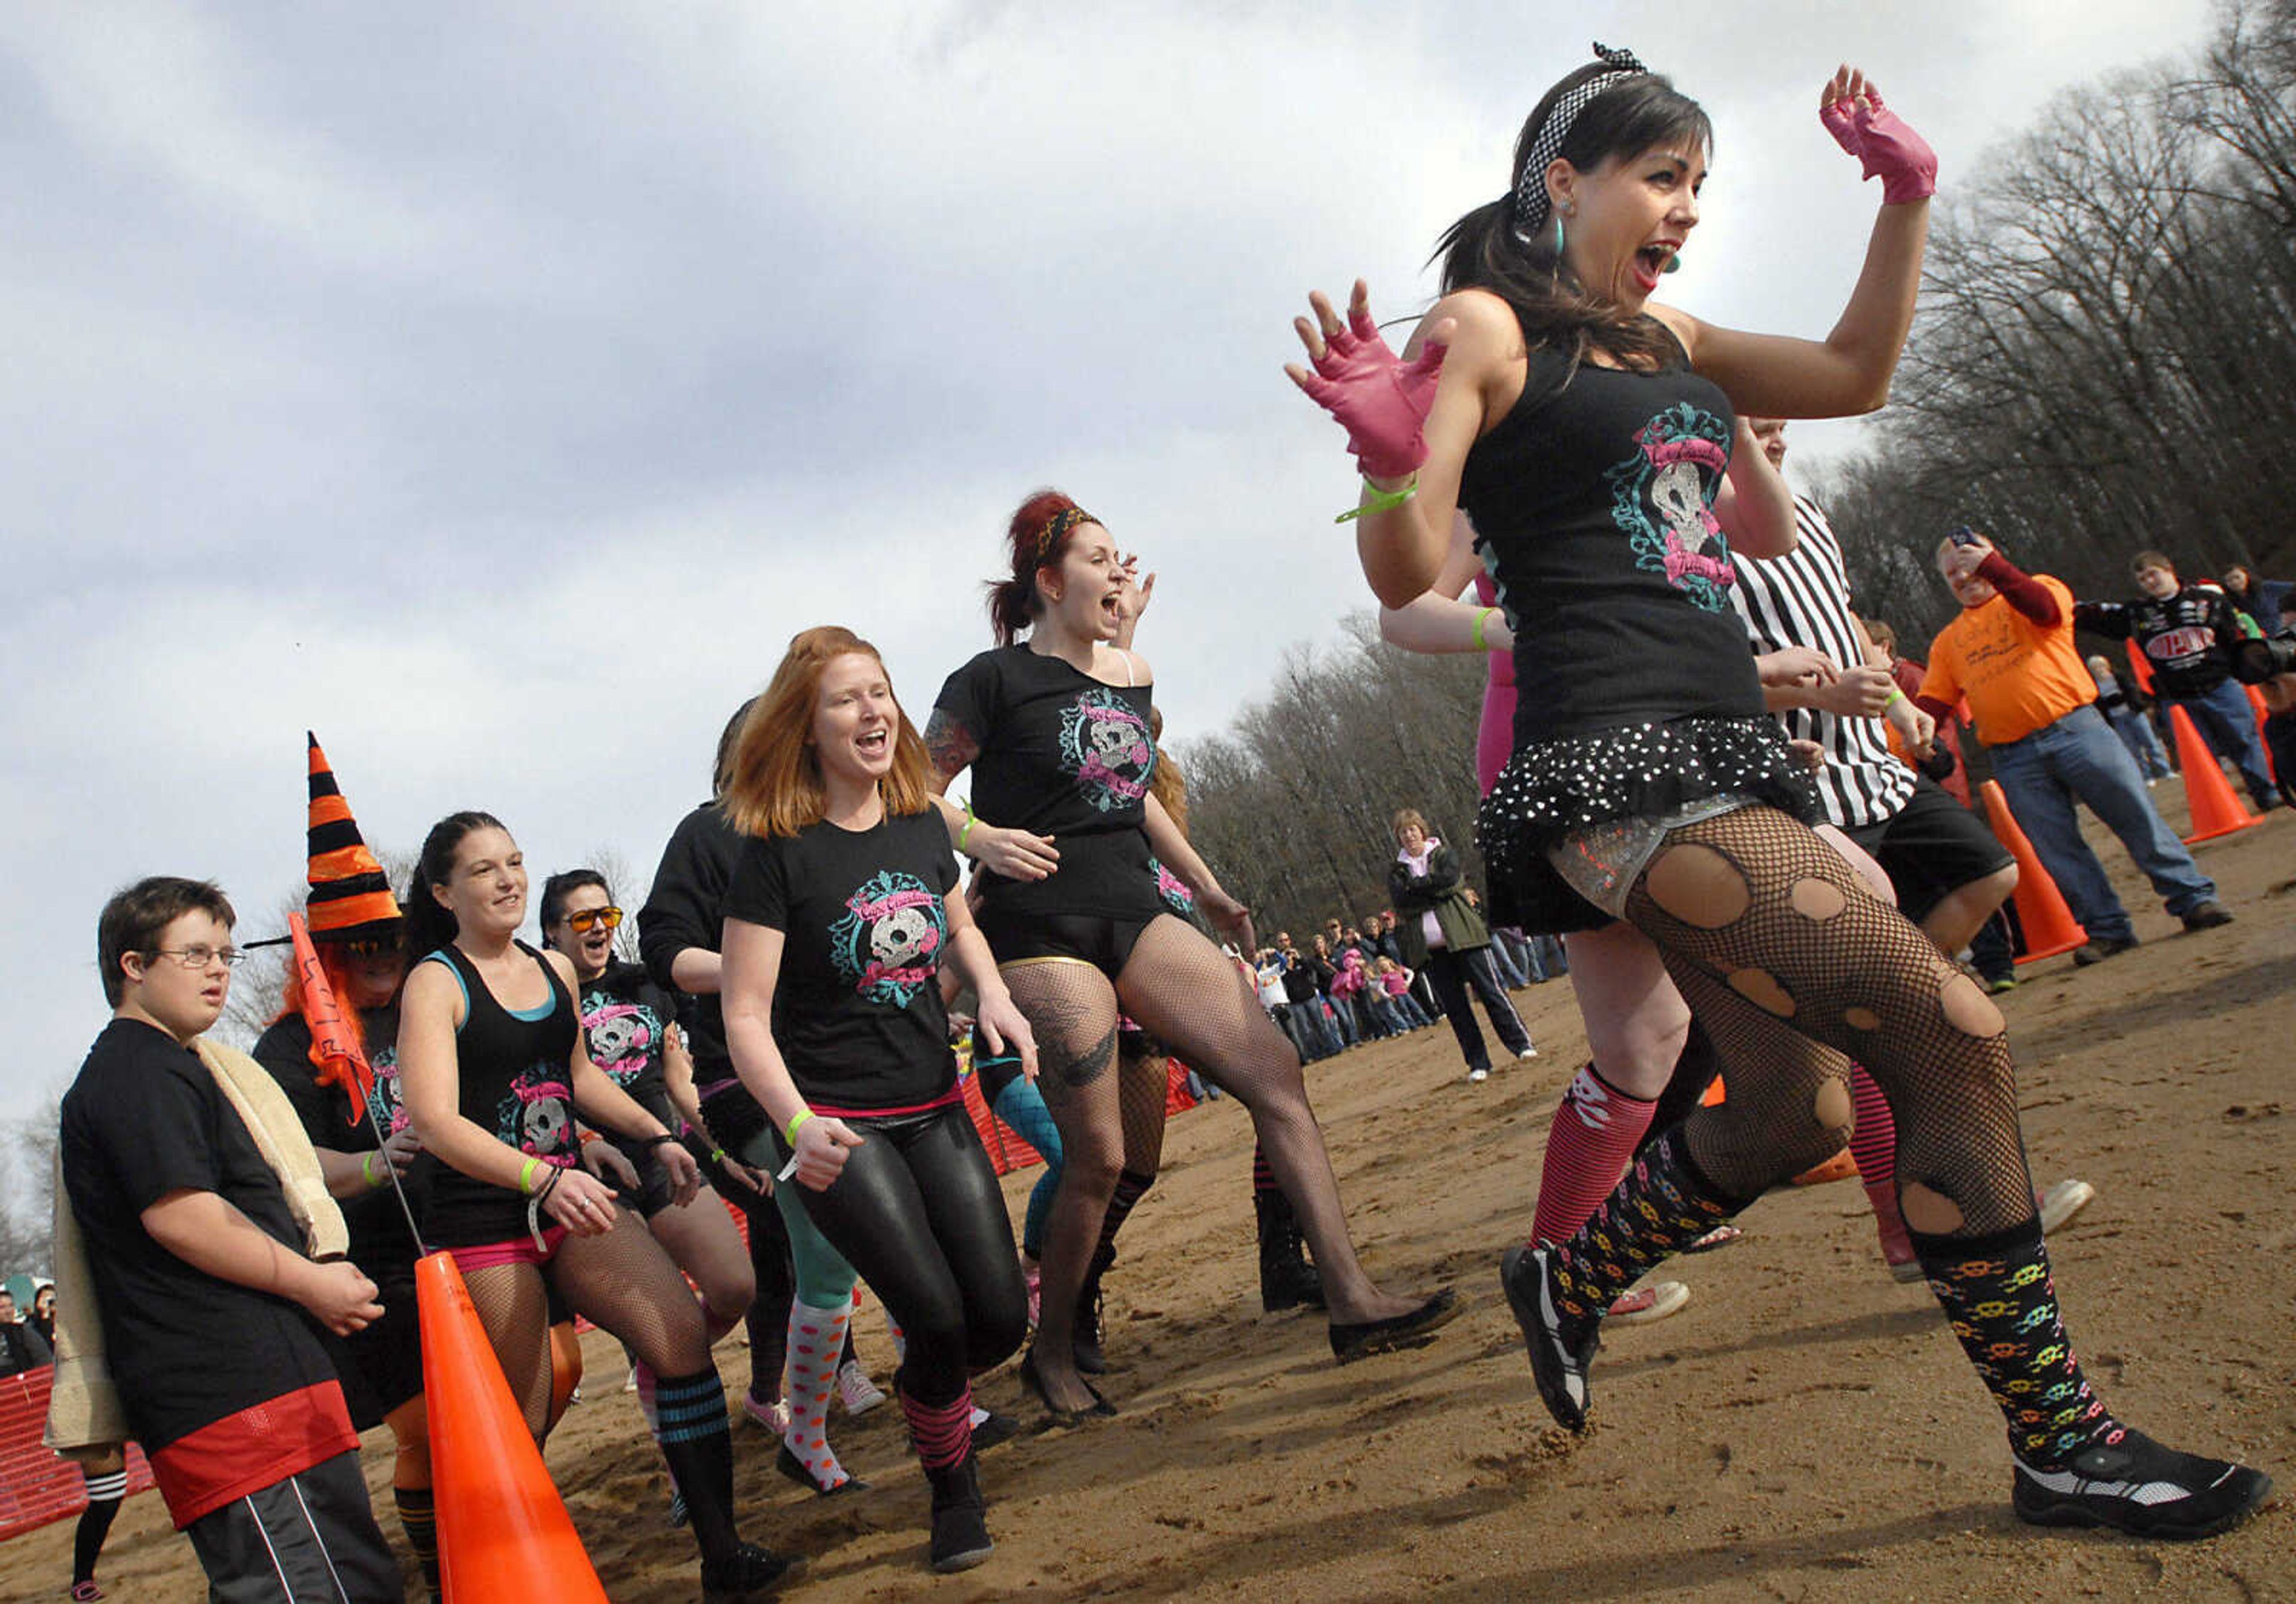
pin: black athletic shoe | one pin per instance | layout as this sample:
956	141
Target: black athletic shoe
749	1571
1414	1327
1557	1363
2209	916
2098	948
996	1429
2139	1487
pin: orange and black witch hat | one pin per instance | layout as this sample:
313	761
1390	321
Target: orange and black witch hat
351	896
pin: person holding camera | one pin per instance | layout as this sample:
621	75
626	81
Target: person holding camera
2011	652
2188	634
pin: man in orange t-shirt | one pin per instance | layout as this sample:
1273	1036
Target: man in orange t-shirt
2010	653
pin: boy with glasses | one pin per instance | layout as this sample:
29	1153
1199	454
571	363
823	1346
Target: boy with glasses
205	1296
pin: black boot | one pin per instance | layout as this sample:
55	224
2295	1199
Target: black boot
1085	1342
960	1523
1286	1279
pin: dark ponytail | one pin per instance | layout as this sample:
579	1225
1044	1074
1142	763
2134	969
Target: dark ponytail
1013	604
428	926
1480	250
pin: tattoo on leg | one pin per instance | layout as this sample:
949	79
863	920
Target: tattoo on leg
1082	1069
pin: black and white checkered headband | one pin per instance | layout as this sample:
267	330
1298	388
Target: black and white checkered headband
1530	185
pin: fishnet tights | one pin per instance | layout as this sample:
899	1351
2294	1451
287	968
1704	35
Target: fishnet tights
1793	967
620	1279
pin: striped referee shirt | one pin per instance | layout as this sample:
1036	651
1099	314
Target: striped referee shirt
1802	599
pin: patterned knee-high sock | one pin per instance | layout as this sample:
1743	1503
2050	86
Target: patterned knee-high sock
418	1517
698	1447
1263	1179
650	1407
1997	1296
941	1433
1663	1206
1875	1141
1595	1130
816	1340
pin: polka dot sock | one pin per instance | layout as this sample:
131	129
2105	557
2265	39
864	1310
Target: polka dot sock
816	1340
1662	1207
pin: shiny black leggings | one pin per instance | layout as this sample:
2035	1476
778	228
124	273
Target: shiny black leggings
918	1212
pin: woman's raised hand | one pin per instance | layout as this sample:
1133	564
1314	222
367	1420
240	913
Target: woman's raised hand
1379	398
1852	111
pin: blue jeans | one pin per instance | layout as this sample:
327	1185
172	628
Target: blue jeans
2136	732
2080	759
2228	722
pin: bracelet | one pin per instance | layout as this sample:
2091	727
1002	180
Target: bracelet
526	1176
796	1119
1477	634
655	1141
717	1154
554	1172
1895	698
969	822
1382	501
366	1168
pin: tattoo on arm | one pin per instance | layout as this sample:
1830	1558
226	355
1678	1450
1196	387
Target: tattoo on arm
950	745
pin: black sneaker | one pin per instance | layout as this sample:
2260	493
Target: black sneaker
2138	1487
2207	916
1558	1363
749	1571
2101	947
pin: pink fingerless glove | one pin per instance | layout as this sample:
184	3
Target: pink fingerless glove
1883	144
1380	400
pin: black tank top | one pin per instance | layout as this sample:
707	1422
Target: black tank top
514	1069
1591	503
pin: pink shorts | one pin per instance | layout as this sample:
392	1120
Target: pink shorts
517	1250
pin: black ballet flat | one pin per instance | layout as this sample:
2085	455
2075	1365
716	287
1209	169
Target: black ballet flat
1414	1330
995	1429
1101	1409
792	1467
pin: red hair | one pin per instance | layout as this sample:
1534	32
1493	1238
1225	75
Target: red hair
332	961
772	779
1013	605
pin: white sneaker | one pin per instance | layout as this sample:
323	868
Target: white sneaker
2063	1201
1528	1053
630	1381
1479	1075
1644	1304
858	1393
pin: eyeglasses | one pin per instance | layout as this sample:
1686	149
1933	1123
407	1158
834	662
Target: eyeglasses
371	949
199	957
583	919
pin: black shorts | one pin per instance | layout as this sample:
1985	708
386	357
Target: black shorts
381	1365
1106	943
309	1536
654	1190
1932	848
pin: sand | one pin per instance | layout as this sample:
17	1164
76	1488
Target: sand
1806	1429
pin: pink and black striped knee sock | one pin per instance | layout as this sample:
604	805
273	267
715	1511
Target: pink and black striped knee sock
1595	1130
1874	1145
941	1433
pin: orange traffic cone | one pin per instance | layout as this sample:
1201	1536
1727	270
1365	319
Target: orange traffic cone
503	1530
2216	811
2141	668
2049	925
2256	706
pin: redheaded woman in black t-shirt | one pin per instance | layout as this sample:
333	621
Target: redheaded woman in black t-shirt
838	923
490	1062
1062	820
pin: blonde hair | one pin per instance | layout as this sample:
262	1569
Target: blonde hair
1408	815
772	783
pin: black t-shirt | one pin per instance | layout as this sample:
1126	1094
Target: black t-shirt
143	1119
515	1074
857	1011
2187	637
1591	502
1061	755
379	1239
686	909
626	1020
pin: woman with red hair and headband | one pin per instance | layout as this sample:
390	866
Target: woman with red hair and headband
1567	414
1057	731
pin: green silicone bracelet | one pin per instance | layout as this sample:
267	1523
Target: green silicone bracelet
796	1119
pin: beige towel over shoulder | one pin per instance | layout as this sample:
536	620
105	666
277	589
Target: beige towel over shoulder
84	1408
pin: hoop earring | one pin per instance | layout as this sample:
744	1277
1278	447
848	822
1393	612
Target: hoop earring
1558	236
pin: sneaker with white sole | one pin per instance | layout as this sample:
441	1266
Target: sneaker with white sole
2136	1486
2063	1201
1528	1053
775	1417
1478	1077
855	1390
1559	1360
1644	1304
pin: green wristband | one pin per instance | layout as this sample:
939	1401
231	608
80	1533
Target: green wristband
366	1168
969	822
1895	698
796	1119
1477	634
526	1176
1382	501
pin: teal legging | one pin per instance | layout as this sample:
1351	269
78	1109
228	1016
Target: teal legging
1021	1106
825	1280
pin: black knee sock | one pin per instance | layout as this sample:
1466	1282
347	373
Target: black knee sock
1131	1186
418	1517
1997	1296
1663	1206
1263	1179
1693	1071
104	1496
697	1448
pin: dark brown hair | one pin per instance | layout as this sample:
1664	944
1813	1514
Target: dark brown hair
133	921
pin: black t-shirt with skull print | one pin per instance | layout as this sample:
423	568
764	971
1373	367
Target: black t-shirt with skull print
626	1020
864	915
1061	755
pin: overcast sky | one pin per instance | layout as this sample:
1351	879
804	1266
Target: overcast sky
495	389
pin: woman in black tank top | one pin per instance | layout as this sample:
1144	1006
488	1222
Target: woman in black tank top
491	1062
1591	436
1055	731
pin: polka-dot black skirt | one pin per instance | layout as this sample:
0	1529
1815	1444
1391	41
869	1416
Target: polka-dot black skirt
1550	788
